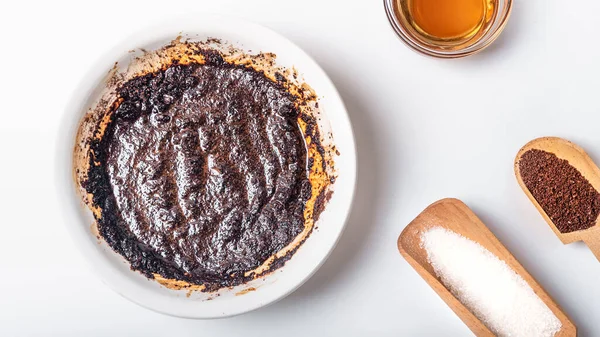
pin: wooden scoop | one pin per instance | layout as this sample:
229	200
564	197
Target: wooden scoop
577	157
455	216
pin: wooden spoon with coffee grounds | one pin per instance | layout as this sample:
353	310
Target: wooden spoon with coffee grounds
454	215
562	181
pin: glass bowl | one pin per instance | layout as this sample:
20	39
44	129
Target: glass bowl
447	48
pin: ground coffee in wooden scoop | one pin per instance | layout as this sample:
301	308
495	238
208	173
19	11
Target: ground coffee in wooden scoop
567	197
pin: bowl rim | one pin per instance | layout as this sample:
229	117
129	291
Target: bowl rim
73	209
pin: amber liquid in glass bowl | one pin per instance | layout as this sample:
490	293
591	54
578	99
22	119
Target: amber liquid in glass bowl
450	19
448	28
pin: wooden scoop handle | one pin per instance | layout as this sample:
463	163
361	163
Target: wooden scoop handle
594	244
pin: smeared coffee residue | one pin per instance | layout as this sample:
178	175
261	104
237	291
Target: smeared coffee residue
204	168
245	291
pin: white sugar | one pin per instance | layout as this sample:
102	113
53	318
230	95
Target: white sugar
486	285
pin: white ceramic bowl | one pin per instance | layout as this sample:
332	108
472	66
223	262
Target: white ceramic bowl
114	270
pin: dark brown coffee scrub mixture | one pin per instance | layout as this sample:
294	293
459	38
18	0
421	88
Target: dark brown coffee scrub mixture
201	172
569	200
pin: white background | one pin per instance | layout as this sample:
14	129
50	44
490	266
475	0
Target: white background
425	129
